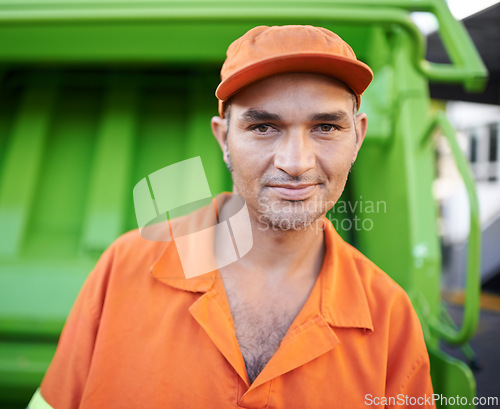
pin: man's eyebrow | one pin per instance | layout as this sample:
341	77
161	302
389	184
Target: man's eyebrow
257	115
329	116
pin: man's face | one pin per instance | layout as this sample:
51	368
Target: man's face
290	145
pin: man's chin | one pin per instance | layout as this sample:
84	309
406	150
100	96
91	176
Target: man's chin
287	215
283	223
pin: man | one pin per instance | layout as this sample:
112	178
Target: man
303	320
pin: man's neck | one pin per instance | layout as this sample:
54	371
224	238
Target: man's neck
279	256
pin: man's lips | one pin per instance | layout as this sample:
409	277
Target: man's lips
294	192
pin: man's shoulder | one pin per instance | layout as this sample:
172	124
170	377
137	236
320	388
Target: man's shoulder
134	238
383	293
371	275
391	310
131	248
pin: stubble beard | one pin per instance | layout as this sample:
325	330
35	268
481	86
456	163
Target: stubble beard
283	215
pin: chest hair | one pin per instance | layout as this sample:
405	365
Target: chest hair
259	332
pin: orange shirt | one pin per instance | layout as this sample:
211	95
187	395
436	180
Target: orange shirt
141	335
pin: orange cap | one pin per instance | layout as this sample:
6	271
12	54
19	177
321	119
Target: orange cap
265	51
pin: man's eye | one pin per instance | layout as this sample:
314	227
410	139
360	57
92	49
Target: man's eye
262	128
327	127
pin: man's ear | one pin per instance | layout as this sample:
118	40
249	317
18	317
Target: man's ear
219	129
361	127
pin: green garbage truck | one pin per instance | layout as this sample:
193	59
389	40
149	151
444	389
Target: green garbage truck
94	96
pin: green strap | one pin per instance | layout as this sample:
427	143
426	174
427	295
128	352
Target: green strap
38	402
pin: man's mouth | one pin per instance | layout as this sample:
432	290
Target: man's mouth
294	192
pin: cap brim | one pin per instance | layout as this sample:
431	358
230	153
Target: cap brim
355	74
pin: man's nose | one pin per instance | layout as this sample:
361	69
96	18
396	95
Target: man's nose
295	154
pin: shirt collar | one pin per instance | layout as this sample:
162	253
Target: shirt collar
343	300
168	267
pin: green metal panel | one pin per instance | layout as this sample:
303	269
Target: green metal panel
451	377
411	257
111	159
76	148
21	168
94	96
